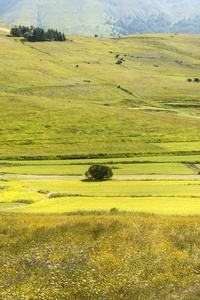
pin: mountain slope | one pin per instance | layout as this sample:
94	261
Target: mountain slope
104	17
99	95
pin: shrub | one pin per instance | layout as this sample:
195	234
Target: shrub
99	172
23	201
113	210
43	192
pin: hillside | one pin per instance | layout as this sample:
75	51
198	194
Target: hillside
5	29
98	95
104	17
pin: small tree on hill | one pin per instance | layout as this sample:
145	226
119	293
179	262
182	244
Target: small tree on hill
15	31
99	172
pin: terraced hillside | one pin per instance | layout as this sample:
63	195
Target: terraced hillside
96	95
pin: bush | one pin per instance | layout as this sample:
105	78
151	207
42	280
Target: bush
43	192
98	172
23	201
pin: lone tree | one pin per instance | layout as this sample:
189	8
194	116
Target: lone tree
99	172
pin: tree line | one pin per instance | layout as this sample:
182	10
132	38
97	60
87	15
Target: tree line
32	34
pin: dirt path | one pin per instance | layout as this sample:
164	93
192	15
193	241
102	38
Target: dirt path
20	177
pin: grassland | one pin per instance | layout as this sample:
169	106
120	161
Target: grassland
160	185
142	119
144	105
5	29
99	257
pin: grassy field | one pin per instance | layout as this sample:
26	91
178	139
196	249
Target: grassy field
119	169
144	105
142	119
162	205
144	184
99	257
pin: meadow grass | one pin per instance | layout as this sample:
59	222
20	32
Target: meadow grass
49	109
99	257
88	161
80	169
145	106
5	206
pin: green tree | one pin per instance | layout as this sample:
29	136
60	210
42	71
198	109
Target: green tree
15	31
99	172
24	29
49	34
27	35
39	34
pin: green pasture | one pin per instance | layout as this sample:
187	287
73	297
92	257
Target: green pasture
72	97
9	164
71	169
142	117
9	205
150	168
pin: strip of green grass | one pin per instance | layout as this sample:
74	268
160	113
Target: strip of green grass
118	169
9	206
111	160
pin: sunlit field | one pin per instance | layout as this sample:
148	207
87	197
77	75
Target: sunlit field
160	185
67	106
73	98
99	257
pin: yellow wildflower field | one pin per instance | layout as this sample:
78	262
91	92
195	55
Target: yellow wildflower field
99	257
162	206
166	197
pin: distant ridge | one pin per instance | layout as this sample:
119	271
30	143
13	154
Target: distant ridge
105	17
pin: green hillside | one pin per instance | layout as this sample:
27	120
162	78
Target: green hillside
5	29
96	95
104	17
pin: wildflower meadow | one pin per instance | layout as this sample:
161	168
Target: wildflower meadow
99	257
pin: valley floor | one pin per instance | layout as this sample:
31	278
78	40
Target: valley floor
161	185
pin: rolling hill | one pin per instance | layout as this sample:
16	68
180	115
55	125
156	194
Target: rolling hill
99	95
104	17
